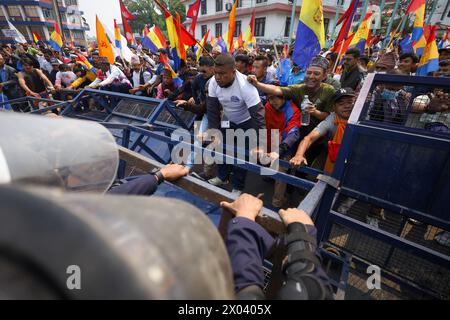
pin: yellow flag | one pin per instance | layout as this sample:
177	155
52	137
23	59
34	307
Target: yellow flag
104	46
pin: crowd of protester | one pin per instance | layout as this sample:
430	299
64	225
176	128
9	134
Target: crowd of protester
249	89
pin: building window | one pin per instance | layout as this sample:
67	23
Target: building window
287	26
39	31
260	26
219	5
204	30
31	11
261	1
239	4
79	35
23	31
14	11
340	2
203	6
238	29
48	14
218	29
71	3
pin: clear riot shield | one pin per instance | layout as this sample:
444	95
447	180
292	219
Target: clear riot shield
73	155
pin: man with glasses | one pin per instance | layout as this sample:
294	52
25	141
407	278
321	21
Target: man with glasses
352	75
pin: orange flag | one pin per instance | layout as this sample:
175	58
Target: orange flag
231	26
104	47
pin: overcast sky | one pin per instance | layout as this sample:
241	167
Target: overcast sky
107	11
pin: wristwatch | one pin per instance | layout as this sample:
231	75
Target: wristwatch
159	176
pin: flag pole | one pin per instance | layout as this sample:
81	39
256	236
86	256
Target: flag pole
339	55
342	47
396	30
204	50
389	28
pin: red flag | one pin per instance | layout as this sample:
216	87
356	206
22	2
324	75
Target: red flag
345	46
125	13
252	22
160	36
240	41
180	39
167	65
346	21
145	31
37	38
231	26
369	38
193	14
414	5
128	32
188	39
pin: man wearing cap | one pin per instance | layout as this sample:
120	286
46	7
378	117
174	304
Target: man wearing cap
110	78
385	63
140	78
318	92
55	69
332	128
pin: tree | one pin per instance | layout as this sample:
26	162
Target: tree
145	13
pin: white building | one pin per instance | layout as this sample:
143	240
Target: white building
39	16
441	15
272	17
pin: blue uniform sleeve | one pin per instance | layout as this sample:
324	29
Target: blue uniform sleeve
144	185
247	244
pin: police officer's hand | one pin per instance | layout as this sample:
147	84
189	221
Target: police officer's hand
246	206
173	172
295	215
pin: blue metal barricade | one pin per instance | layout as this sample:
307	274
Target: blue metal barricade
390	210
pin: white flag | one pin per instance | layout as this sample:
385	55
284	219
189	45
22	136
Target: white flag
125	53
14	33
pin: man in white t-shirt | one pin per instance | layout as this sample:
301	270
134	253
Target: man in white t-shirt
111	78
230	92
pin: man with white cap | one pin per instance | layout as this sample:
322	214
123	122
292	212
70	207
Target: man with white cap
140	78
